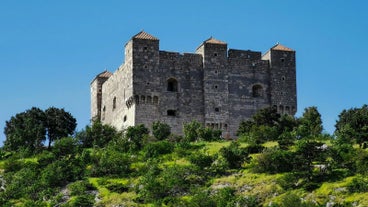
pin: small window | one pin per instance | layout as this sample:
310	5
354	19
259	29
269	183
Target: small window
143	99
172	85
216	86
136	99
171	112
145	67
145	48
257	91
282	60
125	118
114	103
155	100
215	54
217	109
283	78
149	99
216	71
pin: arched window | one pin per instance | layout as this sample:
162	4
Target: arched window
257	91
155	100
172	85
114	103
149	99
136	99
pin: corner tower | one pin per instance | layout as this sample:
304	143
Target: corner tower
282	78
96	94
215	83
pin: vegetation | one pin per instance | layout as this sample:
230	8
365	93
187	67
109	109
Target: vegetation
277	161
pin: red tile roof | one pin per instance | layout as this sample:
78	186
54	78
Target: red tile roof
278	46
105	74
144	35
215	41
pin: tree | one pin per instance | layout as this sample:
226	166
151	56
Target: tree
190	130
97	135
310	124
353	124
28	129
160	130
135	135
25	130
59	123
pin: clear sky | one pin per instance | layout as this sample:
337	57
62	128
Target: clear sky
51	50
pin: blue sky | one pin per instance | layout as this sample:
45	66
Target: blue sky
51	50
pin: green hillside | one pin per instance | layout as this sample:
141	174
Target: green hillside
280	161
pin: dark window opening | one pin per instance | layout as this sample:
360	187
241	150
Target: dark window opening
125	118
257	91
283	78
114	103
217	109
171	112
145	48
145	67
215	54
282	60
172	85
216	71
216	86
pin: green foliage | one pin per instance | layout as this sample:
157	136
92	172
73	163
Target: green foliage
234	155
25	130
109	162
59	123
65	147
160	130
29	129
202	159
191	131
274	161
80	187
310	124
353	124
135	135
98	135
359	184
154	149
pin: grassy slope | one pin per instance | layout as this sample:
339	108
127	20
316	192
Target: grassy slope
264	186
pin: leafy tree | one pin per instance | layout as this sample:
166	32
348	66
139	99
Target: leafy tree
59	123
25	130
29	129
160	130
353	124
267	116
97	135
274	161
310	124
191	131
67	146
234	155
136	134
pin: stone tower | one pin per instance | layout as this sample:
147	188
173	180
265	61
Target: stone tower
217	86
282	78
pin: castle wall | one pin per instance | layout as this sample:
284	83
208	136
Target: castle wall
218	87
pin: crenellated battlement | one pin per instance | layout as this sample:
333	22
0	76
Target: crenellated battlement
217	86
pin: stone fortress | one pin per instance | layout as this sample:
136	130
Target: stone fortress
217	86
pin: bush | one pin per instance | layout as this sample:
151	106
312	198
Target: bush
80	187
191	131
136	134
160	130
155	149
358	185
234	155
202	160
109	162
65	146
274	161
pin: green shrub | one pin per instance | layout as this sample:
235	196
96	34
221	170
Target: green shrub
155	149
117	187
160	130
359	184
273	160
202	160
191	131
234	155
109	162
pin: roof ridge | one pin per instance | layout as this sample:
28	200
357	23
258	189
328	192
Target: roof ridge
279	46
144	35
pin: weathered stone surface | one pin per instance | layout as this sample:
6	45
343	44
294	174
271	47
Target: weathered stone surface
215	86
